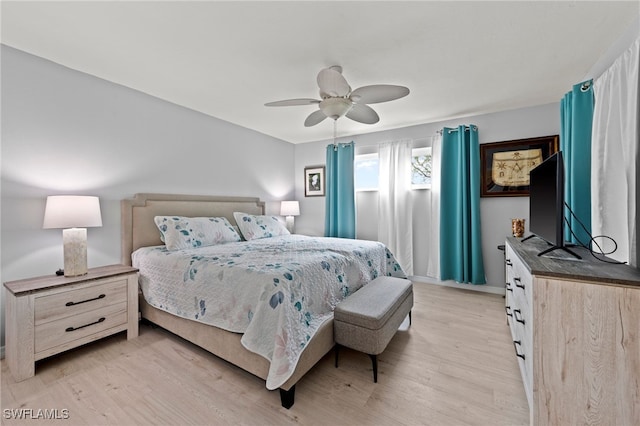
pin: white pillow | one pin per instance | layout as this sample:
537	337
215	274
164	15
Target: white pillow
180	232
254	227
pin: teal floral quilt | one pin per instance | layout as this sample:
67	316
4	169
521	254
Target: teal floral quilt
276	291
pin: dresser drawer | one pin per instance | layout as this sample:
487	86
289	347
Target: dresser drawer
519	281
520	316
68	329
77	301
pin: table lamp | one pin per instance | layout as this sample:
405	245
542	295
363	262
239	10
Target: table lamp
289	209
74	214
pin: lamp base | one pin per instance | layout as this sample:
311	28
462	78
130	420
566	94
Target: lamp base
289	223
74	241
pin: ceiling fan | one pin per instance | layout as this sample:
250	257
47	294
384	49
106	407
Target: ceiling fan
337	98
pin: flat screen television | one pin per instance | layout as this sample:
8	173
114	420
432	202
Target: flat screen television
546	203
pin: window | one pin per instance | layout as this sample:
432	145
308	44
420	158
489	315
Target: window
366	170
421	168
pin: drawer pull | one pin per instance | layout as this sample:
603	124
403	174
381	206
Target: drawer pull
102	296
518	283
515	315
508	287
515	346
86	325
506	308
508	262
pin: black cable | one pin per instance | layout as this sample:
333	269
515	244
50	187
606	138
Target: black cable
592	239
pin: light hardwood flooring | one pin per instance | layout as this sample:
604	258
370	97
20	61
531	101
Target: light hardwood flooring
454	366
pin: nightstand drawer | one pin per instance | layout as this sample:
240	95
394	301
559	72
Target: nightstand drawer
84	299
59	332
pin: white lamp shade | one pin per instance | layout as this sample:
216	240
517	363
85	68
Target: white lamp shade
335	107
290	208
72	211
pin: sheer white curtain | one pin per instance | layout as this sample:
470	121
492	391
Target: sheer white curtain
433	256
614	155
395	202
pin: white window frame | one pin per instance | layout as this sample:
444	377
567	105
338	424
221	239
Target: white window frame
427	150
414	153
365	157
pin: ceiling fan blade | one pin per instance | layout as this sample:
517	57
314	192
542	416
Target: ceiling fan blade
363	114
314	118
378	93
332	83
293	102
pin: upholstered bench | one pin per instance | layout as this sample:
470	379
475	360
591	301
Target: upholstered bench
368	319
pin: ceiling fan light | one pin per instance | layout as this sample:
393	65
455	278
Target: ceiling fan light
335	107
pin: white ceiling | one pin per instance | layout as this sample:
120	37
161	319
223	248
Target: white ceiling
227	59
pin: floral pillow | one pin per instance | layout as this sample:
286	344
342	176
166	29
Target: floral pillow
255	227
180	232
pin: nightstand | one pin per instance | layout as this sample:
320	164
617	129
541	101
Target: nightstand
51	314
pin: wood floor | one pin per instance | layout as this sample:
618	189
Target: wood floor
454	366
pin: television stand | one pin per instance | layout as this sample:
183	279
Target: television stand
565	248
552	248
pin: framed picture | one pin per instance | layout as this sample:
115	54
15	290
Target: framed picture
314	181
506	165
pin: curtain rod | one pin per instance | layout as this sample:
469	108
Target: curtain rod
423	139
340	145
466	128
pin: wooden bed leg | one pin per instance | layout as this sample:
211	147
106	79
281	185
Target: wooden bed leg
287	397
147	322
374	361
337	350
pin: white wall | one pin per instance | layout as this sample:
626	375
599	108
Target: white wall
626	39
496	213
65	132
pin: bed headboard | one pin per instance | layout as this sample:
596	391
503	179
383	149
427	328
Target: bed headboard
139	230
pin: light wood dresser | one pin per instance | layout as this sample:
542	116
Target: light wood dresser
51	314
576	331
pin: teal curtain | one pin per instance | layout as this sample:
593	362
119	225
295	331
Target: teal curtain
340	214
576	119
460	234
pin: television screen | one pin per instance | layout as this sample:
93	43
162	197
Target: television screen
546	203
546	200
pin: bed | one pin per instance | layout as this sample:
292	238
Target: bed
281	300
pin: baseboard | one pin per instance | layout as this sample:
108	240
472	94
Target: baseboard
472	287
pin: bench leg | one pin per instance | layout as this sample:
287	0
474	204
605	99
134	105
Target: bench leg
287	397
374	361
409	317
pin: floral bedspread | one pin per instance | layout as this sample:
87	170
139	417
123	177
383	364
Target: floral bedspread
276	291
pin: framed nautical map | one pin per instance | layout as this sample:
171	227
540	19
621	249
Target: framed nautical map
506	165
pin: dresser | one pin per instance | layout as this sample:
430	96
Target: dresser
51	314
575	326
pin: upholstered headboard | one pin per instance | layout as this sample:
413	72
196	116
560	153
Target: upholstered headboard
139	230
